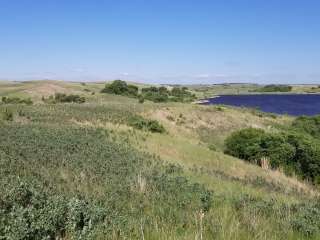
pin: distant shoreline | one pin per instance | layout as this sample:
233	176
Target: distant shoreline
294	104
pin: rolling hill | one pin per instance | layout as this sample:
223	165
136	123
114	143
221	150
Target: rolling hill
89	171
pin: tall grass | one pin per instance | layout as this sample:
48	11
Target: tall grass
61	180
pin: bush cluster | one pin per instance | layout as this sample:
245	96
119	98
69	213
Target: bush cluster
6	115
274	88
155	94
301	217
29	213
16	100
119	87
77	183
139	122
162	94
64	98
292	151
309	125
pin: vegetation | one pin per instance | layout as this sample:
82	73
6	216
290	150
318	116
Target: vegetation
144	124
255	144
292	151
309	125
7	115
64	98
274	88
162	94
154	94
86	204
87	171
119	87
16	100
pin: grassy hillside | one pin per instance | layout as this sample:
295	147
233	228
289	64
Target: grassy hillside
205	91
89	171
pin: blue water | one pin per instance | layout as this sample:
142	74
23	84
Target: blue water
292	104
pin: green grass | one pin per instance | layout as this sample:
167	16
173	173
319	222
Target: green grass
205	91
82	170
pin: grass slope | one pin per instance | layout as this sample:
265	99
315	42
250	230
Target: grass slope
86	173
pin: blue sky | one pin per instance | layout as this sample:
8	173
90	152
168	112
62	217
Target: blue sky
161	41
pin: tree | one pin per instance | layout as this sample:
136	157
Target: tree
120	87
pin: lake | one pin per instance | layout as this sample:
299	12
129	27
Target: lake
292	104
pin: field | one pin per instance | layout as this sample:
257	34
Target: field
85	171
205	91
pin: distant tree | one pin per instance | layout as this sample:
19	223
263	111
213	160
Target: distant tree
120	87
274	88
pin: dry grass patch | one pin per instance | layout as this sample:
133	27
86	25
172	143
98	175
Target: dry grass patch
47	89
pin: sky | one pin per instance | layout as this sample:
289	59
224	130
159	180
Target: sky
161	41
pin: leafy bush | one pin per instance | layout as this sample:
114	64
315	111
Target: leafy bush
212	147
141	99
310	125
77	183
28	213
306	160
182	95
16	100
293	151
120	87
301	217
64	98
146	124
7	115
162	94
274	88
254	144
155	94
306	218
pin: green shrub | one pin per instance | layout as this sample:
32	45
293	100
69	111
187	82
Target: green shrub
306	160
32	214
120	87
162	94
7	115
303	218
212	147
76	183
141	99
306	219
293	151
274	88
16	100
154	94
254	144
64	98
219	108
146	124
310	125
